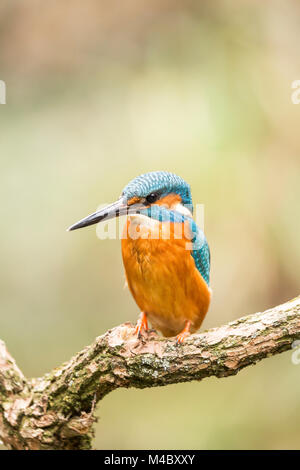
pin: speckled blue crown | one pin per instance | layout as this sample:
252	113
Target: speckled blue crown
159	181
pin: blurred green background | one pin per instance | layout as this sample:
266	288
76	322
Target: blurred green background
99	92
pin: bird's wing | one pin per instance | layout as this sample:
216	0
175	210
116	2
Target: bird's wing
200	251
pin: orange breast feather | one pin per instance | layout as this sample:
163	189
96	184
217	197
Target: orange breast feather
162	276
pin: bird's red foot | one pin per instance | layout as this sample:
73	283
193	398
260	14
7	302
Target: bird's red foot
184	333
142	323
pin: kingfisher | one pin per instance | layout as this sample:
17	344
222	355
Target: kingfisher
165	254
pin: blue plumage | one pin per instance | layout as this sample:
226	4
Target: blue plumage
200	251
162	182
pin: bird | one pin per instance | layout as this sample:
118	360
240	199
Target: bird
165	254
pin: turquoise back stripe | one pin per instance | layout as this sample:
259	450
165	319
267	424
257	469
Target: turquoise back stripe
200	251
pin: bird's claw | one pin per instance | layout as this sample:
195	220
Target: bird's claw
142	323
181	337
184	333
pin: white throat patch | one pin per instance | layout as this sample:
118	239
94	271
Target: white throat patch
178	207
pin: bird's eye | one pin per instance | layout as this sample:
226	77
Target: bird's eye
152	198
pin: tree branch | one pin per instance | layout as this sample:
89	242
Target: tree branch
56	410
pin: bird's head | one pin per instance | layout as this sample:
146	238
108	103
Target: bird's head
154	188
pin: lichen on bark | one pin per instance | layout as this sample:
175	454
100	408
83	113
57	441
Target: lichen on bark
56	411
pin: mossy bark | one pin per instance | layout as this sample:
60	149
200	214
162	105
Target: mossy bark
56	410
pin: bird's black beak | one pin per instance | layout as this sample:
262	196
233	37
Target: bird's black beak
120	207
